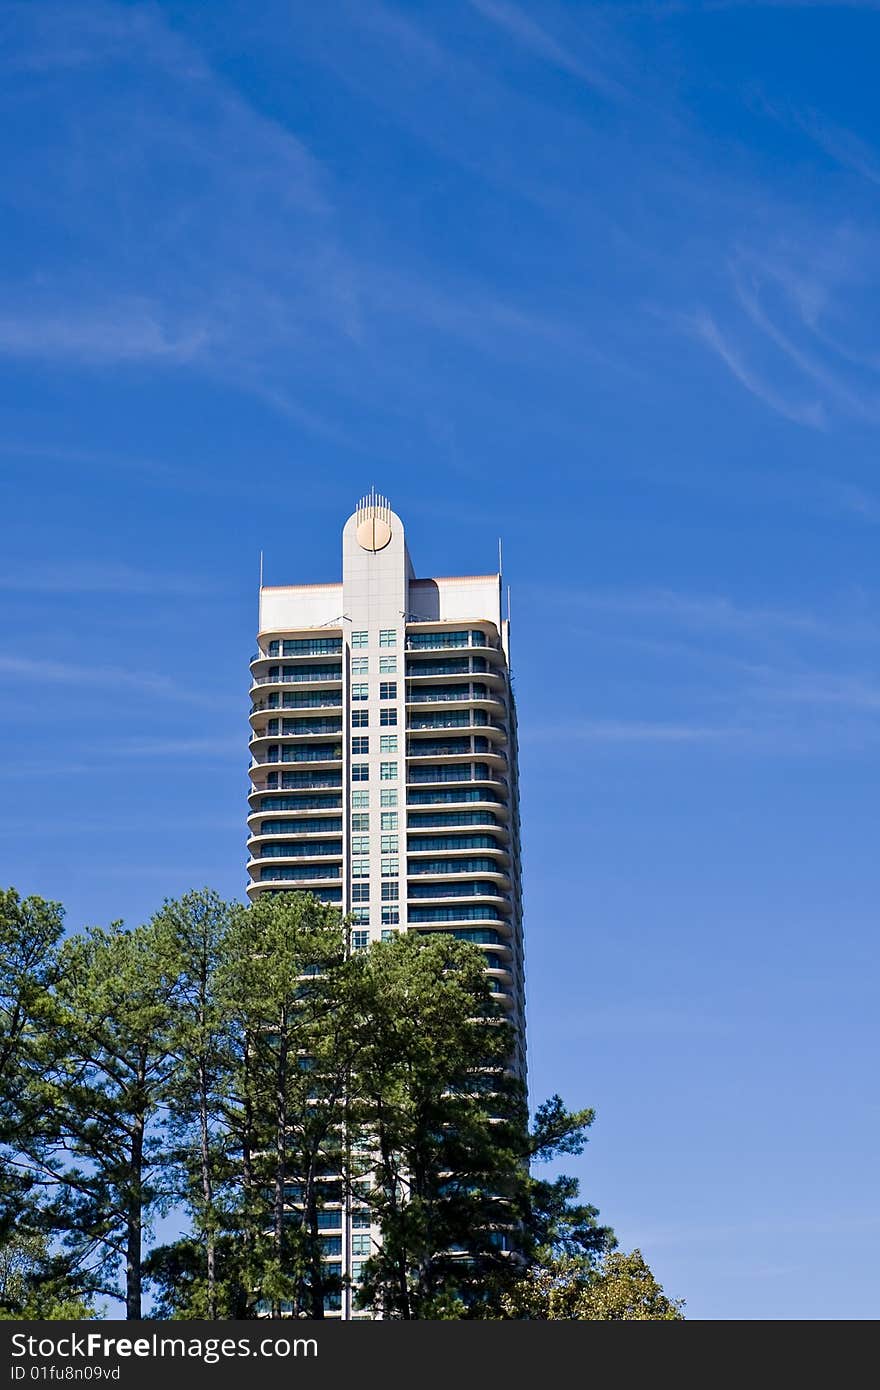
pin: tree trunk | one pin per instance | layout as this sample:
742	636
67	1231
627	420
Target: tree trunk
134	1222
207	1192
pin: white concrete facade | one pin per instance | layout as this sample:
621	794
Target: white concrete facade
384	772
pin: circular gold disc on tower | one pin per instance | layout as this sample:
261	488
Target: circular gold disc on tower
373	534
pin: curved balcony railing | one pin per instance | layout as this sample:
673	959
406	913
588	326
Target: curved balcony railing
294	803
294	754
450	868
307	673
304	873
464	912
290	781
316	850
427	820
453	796
300	646
451	842
443	641
309	825
452	694
457	890
307	699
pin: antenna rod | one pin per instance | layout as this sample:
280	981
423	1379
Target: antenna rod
261	569
500	565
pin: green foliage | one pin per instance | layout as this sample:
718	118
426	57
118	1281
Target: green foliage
240	1066
613	1288
440	1122
31	1287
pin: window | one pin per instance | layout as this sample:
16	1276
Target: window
360	868
360	691
389	892
389	820
387	690
357	1270
331	1245
361	915
389	844
360	639
387	772
387	933
360	892
391	916
360	940
387	665
360	1243
360	718
329	1220
360	844
360	744
360	772
388	797
390	868
387	637
362	822
360	800
360	665
360	1220
388	716
387	743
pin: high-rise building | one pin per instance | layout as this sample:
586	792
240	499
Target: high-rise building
384	757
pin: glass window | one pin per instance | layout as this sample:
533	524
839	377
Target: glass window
360	940
360	718
360	844
360	639
360	744
361	822
391	916
360	1243
360	1220
387	743
361	915
387	665
389	892
389	820
360	772
329	1220
387	637
360	665
388	716
360	691
388	772
388	690
360	892
331	1245
360	868
388	797
357	1270
360	800
390	868
389	844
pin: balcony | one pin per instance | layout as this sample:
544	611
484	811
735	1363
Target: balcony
298	804
294	754
443	641
453	797
314	675
300	646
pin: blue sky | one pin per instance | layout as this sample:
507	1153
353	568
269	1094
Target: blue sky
603	278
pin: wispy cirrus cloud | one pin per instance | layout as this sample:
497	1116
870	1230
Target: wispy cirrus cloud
147	683
105	579
802	412
519	25
126	332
